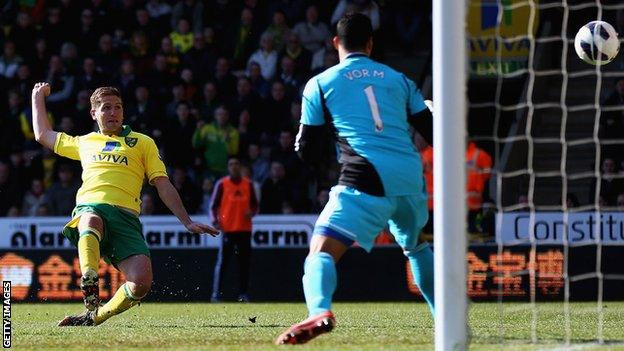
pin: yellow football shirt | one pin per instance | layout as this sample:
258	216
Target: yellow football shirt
113	167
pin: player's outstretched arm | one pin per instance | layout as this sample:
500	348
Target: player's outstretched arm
171	198
41	125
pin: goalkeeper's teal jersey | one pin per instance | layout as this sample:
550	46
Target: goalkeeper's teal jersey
368	104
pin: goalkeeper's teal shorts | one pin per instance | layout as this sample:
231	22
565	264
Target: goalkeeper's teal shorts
353	216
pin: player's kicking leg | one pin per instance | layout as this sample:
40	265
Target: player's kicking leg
319	283
138	272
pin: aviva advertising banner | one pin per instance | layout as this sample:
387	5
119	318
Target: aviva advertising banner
517	21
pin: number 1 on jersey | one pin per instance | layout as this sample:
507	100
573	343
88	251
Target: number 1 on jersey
372	103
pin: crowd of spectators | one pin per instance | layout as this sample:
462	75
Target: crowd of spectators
206	79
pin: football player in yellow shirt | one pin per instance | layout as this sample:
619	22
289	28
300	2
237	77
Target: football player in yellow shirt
105	222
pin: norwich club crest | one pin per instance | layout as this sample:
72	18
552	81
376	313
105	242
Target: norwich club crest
131	141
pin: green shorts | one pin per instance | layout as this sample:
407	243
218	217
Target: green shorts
123	232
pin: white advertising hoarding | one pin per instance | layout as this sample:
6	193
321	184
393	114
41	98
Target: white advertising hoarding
160	232
580	228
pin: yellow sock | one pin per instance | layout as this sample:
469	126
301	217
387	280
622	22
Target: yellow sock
122	301
89	250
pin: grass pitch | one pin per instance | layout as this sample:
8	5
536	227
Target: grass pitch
361	326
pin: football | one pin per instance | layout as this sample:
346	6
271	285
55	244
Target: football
597	43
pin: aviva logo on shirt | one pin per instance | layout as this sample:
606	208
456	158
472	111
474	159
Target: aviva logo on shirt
111	146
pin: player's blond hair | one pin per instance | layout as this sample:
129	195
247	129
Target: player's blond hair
99	93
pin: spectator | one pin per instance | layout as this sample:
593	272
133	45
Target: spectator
324	58
301	57
69	57
258	162
276	110
275	190
55	29
182	37
160	79
23	34
478	168
265	57
242	40
287	208
126	80
191	9
259	84
291	80
10	131
67	126
179	96
89	78
322	197
246	99
88	33
572	201
148	207
411	21
234	204
189	193
246	172
179	150
140	52
292	9
207	190
224	79
188	82
34	198
612	122
426	156
620	202
278	29
14	211
61	196
81	113
209	102
61	84
198	57
160	12
295	116
312	32
106	59
23	80
366	7
144	114
610	183
15	105
10	190
218	141
285	154
9	61
171	54
245	134
144	24
39	61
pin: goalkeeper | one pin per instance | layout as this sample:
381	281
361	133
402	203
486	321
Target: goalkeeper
105	221
369	106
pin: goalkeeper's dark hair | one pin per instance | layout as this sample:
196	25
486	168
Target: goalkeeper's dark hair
354	30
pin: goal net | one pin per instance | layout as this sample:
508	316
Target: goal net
553	207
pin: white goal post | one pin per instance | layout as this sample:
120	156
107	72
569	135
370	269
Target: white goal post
449	130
